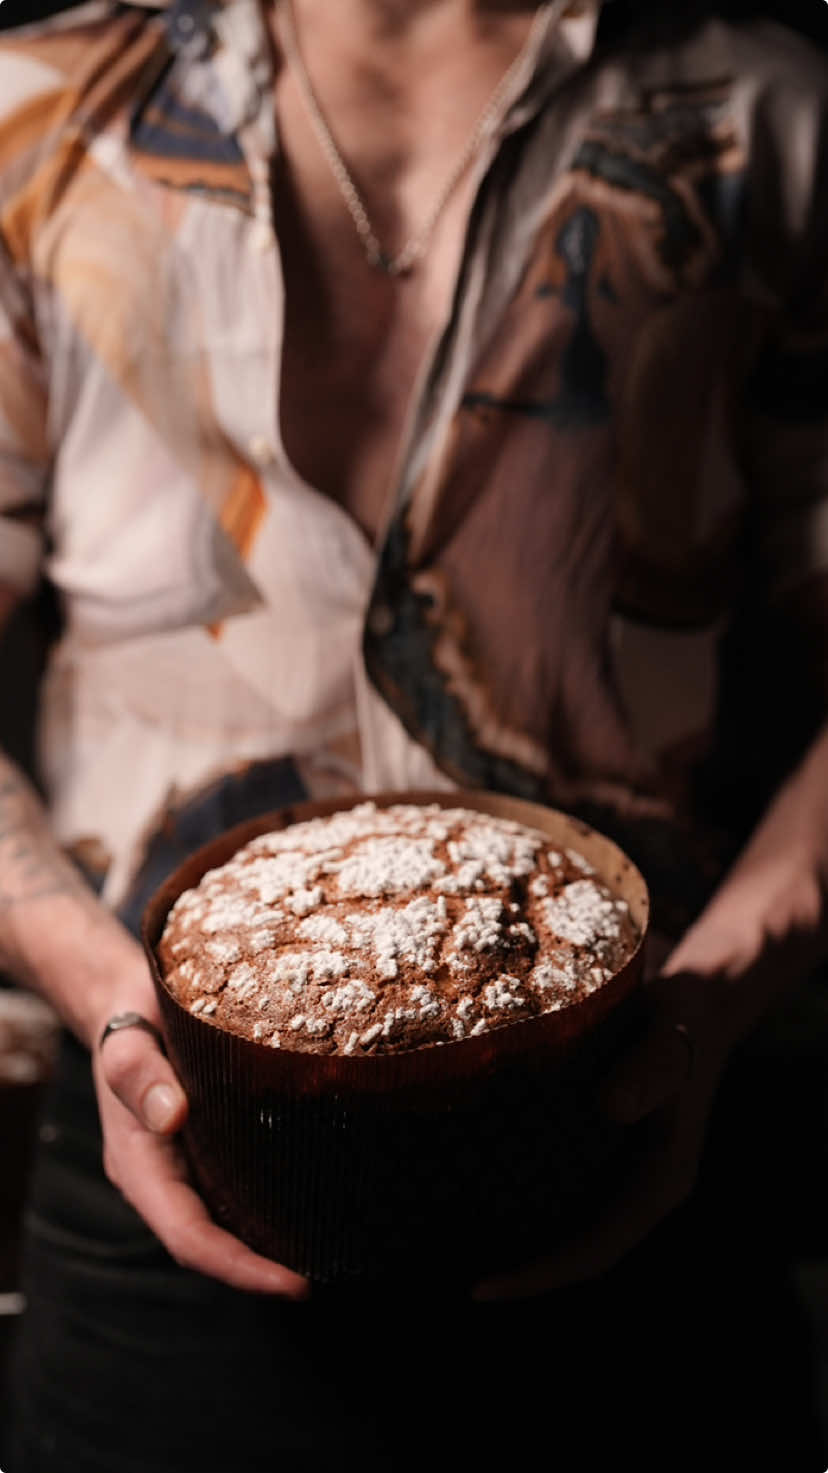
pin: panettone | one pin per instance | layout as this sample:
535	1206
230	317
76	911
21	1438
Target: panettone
378	930
392	1023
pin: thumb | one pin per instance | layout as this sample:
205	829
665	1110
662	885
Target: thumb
142	1078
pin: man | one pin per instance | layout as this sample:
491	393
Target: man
398	395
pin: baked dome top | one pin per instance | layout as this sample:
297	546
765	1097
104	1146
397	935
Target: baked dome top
375	930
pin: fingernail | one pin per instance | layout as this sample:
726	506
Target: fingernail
300	1292
287	1285
160	1106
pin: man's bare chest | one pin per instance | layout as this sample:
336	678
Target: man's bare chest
355	342
398	124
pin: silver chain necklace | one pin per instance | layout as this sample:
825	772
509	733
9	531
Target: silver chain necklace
415	248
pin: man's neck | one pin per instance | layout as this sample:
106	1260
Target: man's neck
395	21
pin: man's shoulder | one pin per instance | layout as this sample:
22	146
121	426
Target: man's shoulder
777	57
780	92
741	55
753	82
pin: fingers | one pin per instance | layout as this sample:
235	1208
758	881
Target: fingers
150	1173
667	1079
153	1179
142	1104
632	1215
137	1072
653	1072
683	1048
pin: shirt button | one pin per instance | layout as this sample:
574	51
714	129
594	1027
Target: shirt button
261	451
380	620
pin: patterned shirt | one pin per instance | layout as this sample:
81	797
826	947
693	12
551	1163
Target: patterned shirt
603	580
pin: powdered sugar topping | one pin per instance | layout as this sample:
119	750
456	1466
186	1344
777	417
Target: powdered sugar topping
390	866
584	914
323	928
410	934
504	992
351	996
481	926
381	929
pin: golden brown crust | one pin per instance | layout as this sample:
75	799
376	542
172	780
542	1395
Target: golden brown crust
379	930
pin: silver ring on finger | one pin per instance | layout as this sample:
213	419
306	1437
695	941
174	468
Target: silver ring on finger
130	1020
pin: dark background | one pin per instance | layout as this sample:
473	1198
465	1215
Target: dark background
808	16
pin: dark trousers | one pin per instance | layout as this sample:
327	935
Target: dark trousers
691	1354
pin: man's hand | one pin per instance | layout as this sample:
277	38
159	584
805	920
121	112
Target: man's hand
668	1078
58	939
762	935
142	1106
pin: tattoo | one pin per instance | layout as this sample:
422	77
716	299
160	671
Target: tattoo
31	867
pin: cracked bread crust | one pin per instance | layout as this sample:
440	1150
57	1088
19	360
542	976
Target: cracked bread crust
378	930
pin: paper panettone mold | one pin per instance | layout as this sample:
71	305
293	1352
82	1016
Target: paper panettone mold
392	1026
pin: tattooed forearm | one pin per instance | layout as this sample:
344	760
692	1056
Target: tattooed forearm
31	866
55	935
